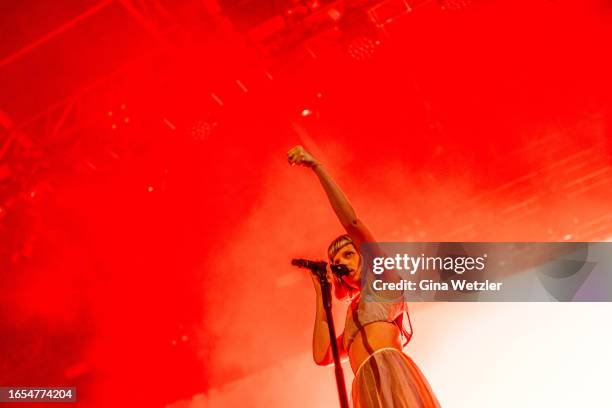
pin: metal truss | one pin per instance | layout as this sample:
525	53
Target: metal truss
59	123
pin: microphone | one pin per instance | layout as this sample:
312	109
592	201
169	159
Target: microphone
314	266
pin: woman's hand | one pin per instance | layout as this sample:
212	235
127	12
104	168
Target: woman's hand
299	155
315	280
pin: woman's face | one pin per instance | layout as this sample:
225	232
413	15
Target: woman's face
348	255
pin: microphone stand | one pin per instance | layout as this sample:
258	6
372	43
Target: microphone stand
327	304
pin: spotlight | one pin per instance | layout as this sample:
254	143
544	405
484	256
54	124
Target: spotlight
334	14
202	129
118	117
362	48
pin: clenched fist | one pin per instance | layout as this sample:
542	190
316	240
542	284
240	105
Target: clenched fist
298	155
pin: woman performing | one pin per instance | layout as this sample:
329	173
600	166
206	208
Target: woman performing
374	332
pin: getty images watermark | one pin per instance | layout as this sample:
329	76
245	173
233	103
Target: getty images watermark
487	271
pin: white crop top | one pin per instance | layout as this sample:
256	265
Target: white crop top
361	313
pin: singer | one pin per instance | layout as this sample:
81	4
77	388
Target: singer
374	332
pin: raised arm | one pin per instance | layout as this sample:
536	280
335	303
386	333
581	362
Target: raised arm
358	232
354	227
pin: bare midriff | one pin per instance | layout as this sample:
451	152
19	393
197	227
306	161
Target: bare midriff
372	337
